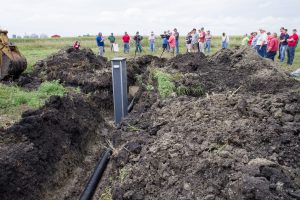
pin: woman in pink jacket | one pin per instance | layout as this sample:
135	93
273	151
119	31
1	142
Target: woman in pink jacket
172	43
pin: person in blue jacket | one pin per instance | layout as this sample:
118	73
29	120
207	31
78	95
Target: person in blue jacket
100	43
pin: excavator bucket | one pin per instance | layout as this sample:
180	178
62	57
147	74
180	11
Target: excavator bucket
12	63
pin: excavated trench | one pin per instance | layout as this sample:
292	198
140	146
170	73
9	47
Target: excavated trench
238	141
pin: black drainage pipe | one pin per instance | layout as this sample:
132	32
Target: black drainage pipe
130	107
90	188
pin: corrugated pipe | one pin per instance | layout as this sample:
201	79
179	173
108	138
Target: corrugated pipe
90	188
130	107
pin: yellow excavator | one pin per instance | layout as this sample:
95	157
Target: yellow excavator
12	63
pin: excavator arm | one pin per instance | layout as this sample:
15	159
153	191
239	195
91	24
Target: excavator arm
12	63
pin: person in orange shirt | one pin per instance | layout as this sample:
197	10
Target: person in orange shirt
273	46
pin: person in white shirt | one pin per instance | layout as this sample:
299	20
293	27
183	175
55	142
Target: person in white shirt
225	41
152	42
261	44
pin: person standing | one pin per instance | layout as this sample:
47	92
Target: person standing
100	43
208	42
152	42
195	44
172	43
176	34
245	40
164	41
254	40
273	46
250	39
112	40
225	41
126	40
292	44
280	38
138	39
189	42
261	45
284	36
76	45
201	40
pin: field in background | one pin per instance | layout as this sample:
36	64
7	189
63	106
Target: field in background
36	49
14	100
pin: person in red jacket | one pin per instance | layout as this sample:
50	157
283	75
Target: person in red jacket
292	44
76	45
250	39
273	46
126	40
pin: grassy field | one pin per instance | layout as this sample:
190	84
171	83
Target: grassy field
36	49
14	100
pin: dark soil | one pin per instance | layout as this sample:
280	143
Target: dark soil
229	70
239	141
46	146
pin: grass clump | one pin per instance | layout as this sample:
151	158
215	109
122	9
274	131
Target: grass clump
12	96
14	100
107	194
164	81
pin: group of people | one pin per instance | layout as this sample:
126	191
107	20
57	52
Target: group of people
170	42
267	45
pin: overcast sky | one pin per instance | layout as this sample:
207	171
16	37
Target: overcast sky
77	17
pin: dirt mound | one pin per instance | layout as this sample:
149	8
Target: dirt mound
40	152
229	70
79	68
241	147
189	62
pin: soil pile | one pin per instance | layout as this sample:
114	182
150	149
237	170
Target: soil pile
73	67
241	147
40	152
229	70
242	143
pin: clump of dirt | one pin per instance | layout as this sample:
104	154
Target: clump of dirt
189	62
39	153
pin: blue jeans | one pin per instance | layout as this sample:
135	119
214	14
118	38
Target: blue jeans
290	54
224	45
152	46
208	46
177	47
138	47
271	55
282	51
126	47
261	50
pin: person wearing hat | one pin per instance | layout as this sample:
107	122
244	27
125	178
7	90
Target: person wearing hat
138	38
292	44
261	44
152	41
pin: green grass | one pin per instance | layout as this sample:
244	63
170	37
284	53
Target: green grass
14	100
165	85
